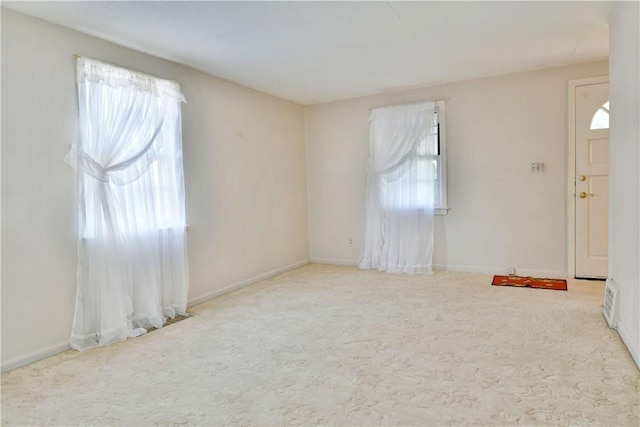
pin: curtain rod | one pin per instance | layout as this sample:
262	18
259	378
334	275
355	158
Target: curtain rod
410	103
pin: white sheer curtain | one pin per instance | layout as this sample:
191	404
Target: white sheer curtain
400	189
132	265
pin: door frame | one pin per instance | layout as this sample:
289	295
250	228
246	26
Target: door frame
571	168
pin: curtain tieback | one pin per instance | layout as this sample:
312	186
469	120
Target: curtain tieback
86	164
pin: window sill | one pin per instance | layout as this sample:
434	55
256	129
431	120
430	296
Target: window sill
436	211
144	233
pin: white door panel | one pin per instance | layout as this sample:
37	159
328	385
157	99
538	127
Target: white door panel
592	180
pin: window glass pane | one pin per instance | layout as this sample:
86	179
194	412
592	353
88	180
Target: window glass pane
420	189
600	119
436	183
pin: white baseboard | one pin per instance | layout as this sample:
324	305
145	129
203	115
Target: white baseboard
459	268
34	357
247	282
627	339
334	261
501	271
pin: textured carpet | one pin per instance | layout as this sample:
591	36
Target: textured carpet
339	346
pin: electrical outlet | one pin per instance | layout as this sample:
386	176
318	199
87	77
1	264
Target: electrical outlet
512	271
350	242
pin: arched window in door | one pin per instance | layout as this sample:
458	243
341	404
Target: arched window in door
600	119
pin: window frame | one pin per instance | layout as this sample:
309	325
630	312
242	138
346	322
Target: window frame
443	207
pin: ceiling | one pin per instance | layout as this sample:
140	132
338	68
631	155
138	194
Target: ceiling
313	52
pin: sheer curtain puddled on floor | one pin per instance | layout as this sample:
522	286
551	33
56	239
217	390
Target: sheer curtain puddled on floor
400	189
132	265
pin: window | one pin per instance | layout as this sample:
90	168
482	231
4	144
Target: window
132	259
600	119
429	172
405	172
151	203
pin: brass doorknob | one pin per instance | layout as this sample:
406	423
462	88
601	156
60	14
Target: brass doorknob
583	177
584	195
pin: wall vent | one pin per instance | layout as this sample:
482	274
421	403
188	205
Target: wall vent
610	308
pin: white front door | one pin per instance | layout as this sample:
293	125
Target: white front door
592	180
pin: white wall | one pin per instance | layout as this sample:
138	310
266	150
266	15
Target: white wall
244	160
501	214
624	184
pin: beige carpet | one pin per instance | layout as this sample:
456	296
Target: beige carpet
339	346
